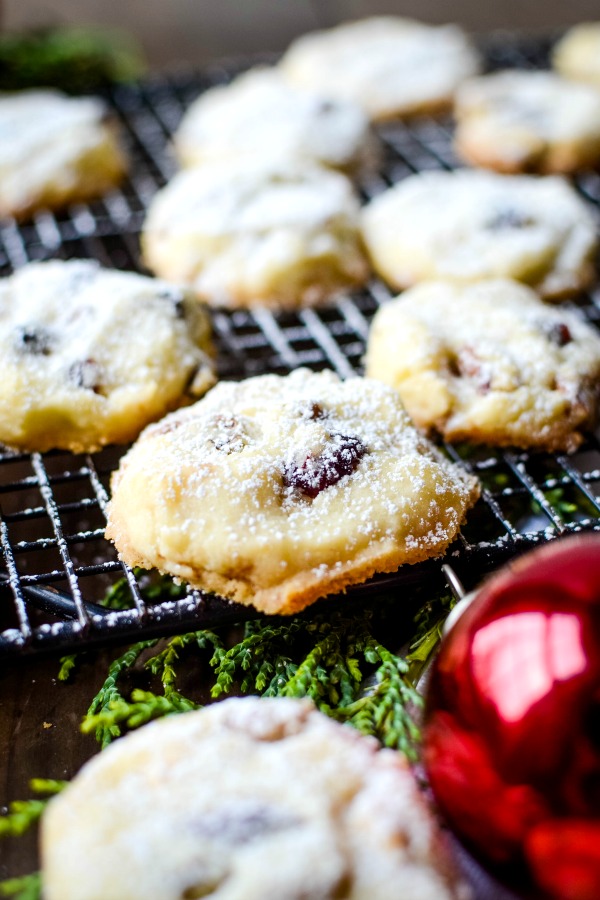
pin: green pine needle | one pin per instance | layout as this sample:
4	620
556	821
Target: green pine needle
26	887
109	694
143	707
22	814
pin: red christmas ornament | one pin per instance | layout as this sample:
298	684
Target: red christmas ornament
512	729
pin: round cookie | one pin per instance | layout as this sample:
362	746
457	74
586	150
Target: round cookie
245	235
528	122
248	798
388	65
489	363
260	115
469	225
281	489
577	54
55	150
91	356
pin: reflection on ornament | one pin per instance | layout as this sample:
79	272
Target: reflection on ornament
512	733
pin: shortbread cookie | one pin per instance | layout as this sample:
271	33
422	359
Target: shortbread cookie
577	54
281	489
489	363
471	225
528	122
387	65
91	356
55	150
246	799
259	114
282	236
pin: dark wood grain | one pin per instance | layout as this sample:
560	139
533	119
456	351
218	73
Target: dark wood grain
40	737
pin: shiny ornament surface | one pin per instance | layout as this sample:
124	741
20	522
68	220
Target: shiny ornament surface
512	733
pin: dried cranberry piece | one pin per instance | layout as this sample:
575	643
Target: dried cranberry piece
467	364
316	473
86	373
560	334
312	411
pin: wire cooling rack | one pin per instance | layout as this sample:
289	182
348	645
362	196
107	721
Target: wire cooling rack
56	565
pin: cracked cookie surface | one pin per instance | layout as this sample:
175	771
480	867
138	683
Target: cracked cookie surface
245	799
55	150
257	234
528	122
90	355
469	225
489	363
388	65
260	114
281	489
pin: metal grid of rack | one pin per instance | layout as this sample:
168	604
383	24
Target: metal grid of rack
56	565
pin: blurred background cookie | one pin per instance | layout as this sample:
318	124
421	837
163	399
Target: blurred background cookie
276	800
55	150
257	234
281	489
388	65
577	54
260	115
91	355
471	225
528	122
489	363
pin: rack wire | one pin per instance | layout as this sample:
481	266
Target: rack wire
56	565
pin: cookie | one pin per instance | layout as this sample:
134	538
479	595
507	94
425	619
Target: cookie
282	236
577	54
55	150
489	363
281	489
388	65
467	226
91	356
259	114
528	122
247	798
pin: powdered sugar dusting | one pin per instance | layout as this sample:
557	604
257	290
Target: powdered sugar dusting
258	113
275	801
256	233
365	479
92	355
489	362
470	225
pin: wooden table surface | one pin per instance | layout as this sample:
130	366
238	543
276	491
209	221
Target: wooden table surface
40	736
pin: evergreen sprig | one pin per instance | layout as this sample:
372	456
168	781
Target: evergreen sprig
388	705
110	693
326	659
110	710
260	662
22	814
429	622
26	887
143	706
